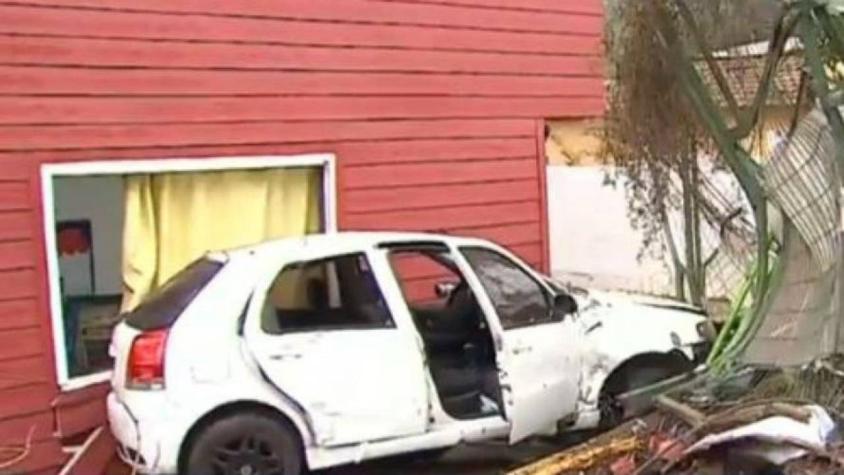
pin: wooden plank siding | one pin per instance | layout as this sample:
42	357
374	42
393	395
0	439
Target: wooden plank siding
432	107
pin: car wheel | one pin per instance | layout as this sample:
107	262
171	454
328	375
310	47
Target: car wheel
246	444
612	412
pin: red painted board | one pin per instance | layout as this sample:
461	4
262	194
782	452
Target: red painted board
365	12
113	110
15	225
435	220
97	457
137	53
20	313
384	176
122	136
82	80
115	24
17	254
418	197
30	399
22	342
24	371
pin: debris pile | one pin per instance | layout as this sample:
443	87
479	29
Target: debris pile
757	421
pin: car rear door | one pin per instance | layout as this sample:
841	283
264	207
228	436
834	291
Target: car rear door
536	346
324	335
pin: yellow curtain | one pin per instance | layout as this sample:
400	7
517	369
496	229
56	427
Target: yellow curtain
172	219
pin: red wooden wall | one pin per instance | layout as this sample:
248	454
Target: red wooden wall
433	108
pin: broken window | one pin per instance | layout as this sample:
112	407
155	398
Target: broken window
338	293
517	297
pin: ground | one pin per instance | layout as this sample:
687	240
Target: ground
481	459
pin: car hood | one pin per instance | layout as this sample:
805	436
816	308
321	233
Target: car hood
637	315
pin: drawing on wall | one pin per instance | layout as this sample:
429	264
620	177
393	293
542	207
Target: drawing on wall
76	257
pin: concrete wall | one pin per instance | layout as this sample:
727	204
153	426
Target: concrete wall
591	240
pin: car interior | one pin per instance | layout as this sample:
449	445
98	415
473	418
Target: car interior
336	293
458	343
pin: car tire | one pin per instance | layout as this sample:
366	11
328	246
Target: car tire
612	413
243	444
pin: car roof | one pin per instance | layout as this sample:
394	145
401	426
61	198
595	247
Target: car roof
341	242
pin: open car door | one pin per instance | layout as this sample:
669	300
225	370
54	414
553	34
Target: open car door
323	334
536	346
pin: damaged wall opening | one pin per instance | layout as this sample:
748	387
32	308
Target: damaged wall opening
114	231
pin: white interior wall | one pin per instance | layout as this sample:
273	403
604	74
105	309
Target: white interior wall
100	200
592	242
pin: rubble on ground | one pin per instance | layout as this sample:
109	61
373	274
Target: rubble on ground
756	421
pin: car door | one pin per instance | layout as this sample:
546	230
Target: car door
324	335
536	346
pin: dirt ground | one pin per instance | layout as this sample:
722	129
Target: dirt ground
483	459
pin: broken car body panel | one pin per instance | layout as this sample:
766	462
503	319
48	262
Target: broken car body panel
374	388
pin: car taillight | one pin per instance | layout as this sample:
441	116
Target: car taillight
145	369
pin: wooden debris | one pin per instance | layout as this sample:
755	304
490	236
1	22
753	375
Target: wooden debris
582	458
687	414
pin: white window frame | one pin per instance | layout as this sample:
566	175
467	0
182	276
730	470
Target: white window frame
49	172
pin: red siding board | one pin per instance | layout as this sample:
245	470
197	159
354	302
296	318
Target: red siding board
510	234
363	11
15	225
97	457
148	135
13	195
16	284
81	396
15	429
594	7
134	53
43	455
162	82
35	21
442	218
78	418
30	399
16	255
23	371
386	176
432	150
27	343
408	198
86	110
18	314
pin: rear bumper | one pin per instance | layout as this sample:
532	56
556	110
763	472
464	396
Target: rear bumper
142	442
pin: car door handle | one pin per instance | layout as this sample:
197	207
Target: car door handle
517	350
285	356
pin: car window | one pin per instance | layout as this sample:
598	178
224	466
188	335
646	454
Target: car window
161	307
517	297
335	293
424	273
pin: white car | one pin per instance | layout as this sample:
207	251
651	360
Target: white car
333	349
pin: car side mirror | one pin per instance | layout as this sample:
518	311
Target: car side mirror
444	290
564	304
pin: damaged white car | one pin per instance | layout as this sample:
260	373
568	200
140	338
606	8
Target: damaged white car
333	349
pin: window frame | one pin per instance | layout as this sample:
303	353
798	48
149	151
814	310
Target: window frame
547	293
50	171
389	324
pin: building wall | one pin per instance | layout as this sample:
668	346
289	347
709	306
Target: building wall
433	109
596	246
